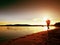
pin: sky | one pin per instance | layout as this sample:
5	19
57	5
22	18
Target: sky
34	12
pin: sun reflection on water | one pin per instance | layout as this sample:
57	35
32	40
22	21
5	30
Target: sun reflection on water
19	31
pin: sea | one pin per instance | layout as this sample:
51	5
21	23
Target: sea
13	32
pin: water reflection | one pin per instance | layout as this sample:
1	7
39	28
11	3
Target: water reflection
18	31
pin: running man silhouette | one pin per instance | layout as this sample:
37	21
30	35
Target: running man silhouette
48	23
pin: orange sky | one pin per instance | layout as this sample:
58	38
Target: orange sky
31	12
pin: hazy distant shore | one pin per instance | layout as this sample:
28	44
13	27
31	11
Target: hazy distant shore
25	25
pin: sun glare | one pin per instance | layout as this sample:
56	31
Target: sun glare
45	18
45	15
42	21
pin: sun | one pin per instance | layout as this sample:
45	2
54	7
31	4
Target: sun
45	18
46	15
39	21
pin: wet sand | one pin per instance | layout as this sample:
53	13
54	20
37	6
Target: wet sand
51	37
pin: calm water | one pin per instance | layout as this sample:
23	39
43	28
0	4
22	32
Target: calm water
8	32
